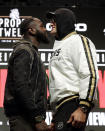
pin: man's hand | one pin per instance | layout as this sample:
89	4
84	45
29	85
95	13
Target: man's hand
42	126
52	127
77	118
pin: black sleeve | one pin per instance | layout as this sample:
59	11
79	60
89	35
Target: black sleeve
24	94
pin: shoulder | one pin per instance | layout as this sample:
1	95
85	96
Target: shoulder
20	53
21	47
88	42
75	42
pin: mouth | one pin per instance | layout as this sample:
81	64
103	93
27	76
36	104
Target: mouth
53	27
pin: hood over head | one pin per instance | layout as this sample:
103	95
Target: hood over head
65	20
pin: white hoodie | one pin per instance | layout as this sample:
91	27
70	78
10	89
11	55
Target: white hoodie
73	69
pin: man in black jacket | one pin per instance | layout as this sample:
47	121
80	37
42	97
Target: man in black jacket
25	90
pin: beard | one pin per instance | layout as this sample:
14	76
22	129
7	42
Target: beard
42	37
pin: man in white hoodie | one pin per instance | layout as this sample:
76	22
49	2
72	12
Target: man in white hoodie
73	73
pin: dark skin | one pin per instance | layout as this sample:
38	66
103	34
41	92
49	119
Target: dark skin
30	36
33	27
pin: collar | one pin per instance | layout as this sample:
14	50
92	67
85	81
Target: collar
72	33
28	42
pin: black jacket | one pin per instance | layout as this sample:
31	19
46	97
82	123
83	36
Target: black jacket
26	85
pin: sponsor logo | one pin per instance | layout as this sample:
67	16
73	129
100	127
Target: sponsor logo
60	125
81	27
9	26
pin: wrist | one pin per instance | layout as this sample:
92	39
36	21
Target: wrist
84	109
39	119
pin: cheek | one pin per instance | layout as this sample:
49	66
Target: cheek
54	29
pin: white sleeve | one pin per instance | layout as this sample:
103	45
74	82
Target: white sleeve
87	71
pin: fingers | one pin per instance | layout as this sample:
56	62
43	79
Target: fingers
71	119
51	127
42	126
77	119
77	123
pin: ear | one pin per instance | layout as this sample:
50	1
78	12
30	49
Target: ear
32	31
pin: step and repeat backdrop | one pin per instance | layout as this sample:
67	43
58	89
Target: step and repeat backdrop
90	22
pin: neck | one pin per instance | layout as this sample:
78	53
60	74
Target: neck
32	40
70	34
